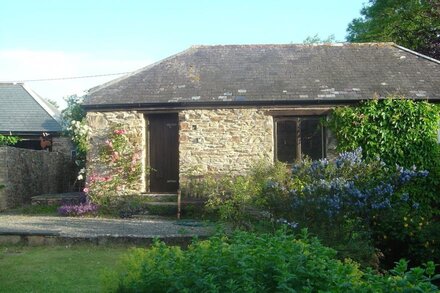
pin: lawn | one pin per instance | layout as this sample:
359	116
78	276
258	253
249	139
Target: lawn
76	268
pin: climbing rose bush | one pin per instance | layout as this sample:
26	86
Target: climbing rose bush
119	168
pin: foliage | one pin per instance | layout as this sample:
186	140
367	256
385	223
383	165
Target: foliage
399	131
74	122
345	201
414	24
81	209
120	157
75	126
353	205
53	103
8	140
250	262
53	268
234	197
402	132
73	111
316	39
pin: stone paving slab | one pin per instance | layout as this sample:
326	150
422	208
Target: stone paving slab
98	227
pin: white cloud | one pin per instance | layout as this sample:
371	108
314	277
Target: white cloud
29	64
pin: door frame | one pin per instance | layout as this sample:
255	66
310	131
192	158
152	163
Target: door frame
147	116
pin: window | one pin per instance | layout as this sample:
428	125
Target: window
299	136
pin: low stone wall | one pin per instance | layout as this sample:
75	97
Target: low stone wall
224	141
26	173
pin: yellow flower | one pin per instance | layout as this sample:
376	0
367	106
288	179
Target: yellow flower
406	225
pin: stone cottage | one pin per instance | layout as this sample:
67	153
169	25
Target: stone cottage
220	109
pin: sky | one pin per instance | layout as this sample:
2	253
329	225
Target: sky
42	39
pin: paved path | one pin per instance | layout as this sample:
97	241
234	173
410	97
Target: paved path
95	227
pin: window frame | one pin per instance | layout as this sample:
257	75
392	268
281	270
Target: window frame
298	119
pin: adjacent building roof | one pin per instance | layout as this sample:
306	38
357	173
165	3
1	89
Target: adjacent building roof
235	74
22	111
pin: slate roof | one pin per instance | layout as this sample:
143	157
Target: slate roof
24	112
274	74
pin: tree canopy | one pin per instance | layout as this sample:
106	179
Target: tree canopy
414	24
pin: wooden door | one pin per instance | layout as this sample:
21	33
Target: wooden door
164	152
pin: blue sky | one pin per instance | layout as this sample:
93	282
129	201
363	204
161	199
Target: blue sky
49	39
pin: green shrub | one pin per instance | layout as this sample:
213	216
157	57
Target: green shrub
237	199
250	262
8	140
399	131
403	132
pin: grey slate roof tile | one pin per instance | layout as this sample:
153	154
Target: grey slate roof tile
20	112
276	73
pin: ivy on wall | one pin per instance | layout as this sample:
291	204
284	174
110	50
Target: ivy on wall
400	131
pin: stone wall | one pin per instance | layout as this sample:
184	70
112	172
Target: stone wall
224	141
215	141
26	173
100	124
63	145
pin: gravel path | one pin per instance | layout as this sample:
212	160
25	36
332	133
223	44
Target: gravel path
91	227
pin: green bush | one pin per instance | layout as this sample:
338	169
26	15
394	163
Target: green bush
250	262
403	132
237	199
399	131
8	140
349	203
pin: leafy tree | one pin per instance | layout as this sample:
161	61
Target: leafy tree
414	24
74	111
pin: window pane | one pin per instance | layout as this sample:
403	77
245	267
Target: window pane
286	141
311	138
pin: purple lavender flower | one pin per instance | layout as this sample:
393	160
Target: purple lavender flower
81	209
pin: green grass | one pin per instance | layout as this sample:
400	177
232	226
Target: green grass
40	210
76	268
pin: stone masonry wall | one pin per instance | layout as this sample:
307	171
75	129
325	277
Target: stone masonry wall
224	141
100	124
63	145
26	173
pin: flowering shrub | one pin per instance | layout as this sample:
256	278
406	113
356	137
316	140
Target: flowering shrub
79	131
404	132
347	200
81	209
120	168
